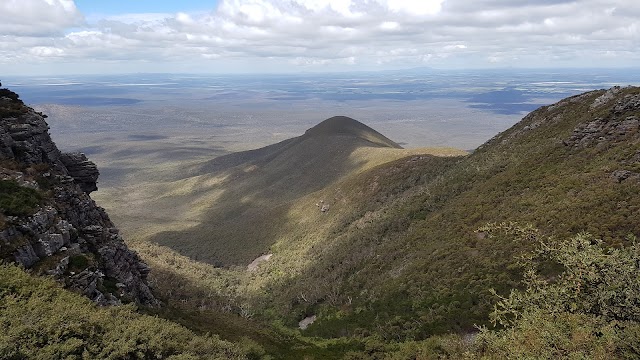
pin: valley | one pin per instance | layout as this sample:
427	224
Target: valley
319	180
337	242
400	253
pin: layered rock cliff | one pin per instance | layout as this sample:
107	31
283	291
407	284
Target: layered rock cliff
48	222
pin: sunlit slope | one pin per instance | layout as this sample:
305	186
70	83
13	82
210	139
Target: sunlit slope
406	260
398	253
231	209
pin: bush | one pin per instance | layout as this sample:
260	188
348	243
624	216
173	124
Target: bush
591	309
10	104
40	320
598	281
16	200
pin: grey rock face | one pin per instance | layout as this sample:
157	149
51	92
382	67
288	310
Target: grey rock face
84	172
26	139
622	175
606	97
68	236
616	126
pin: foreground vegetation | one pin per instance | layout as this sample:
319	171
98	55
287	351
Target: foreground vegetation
40	320
590	309
581	299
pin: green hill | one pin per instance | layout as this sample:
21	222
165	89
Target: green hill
410	244
407	259
241	213
400	254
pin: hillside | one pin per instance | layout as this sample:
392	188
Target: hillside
40	320
206	214
401	253
384	252
409	256
565	169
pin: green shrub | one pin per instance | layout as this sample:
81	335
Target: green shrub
77	263
16	200
10	104
591	309
598	281
40	320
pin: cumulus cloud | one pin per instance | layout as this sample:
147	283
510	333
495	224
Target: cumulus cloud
335	34
37	17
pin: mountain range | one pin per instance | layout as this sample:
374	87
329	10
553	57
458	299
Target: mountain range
381	252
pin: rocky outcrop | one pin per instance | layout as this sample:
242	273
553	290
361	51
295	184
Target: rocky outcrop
26	139
622	175
84	172
66	235
616	126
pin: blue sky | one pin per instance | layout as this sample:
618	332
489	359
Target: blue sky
117	7
267	36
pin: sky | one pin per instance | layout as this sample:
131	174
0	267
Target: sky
57	37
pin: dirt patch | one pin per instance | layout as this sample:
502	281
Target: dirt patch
304	323
254	264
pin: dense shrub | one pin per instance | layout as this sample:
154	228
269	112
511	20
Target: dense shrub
591	309
10	104
16	200
40	320
588	308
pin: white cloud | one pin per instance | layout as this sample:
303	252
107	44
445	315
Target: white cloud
389	25
331	34
46	51
415	7
37	17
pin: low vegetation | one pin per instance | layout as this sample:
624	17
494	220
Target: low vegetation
572	305
40	320
399	257
591	309
16	200
10	104
586	309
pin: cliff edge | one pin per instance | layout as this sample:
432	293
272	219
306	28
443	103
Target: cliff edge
48	222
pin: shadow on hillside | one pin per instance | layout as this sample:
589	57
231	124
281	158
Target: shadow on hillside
257	194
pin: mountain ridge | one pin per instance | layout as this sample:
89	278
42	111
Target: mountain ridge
399	253
336	126
269	179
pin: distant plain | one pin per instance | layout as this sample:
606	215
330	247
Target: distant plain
145	131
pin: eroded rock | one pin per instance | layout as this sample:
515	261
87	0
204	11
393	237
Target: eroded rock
82	246
614	127
83	171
